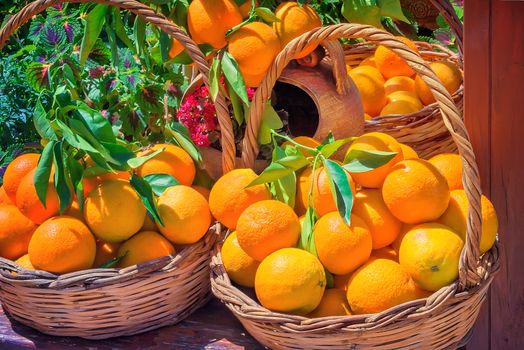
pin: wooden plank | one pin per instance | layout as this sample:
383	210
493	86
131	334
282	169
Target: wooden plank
477	107
507	171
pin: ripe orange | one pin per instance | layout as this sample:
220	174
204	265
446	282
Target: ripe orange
15	232
16	171
24	261
392	65
290	280
385	253
240	267
415	191
372	93
142	247
406	96
430	253
456	216
369	61
383	226
408	152
62	244
245	8
342	248
105	252
333	303
74	211
4	198
398	107
448	73
148	225
405	229
376	141
185	214
209	20
400	83
114	211
295	20
322	201
91	182
379	285
304	141
29	204
367	116
229	196
254	47
203	191
370	71
173	161
267	226
175	49
449	165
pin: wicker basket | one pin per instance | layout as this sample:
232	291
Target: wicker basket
441	321
104	303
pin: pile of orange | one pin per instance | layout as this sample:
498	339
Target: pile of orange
387	84
112	228
408	227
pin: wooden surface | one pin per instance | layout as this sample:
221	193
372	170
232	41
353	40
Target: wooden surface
494	95
210	328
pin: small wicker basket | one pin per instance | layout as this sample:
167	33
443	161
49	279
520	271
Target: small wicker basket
104	303
441	321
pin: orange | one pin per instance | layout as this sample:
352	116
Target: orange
290	280
342	248
369	61
62	244
29	204
390	64
400	83
15	232
209	20
4	198
379	285
371	92
448	73
322	201
175	49
142	247
333	303
376	141
254	47
25	261
114	211
185	214
341	281
449	165
295	20
229	196
370	71
74	211
173	161
383	226
203	191
398	107
267	226
430	253
149	224
304	141
407	96
405	229
91	182
245	8
456	217
408	152
240	267
16	171
415	191
253	80
367	116
105	252
385	253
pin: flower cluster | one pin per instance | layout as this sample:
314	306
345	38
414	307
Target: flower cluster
197	112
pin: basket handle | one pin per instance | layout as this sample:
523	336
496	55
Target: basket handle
450	115
159	20
448	12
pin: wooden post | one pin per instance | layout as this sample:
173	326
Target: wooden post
494	99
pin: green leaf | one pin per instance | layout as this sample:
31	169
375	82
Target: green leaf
97	124
113	262
270	121
183	139
43	171
329	139
393	9
340	189
330	281
165	45
214	78
307	237
76	173
119	154
203	179
144	190
294	162
62	187
120	29
42	123
266	15
272	173
161	182
139	29
285	189
361	161
331	148
137	162
74	139
94	22
362	11
37	75
234	77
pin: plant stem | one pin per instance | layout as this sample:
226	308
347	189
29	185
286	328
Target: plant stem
287	138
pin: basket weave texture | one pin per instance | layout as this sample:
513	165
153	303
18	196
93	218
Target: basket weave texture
105	303
441	321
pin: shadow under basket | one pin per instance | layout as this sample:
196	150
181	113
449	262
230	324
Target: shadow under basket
107	303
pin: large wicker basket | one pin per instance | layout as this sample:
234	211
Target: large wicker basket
441	321
104	303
